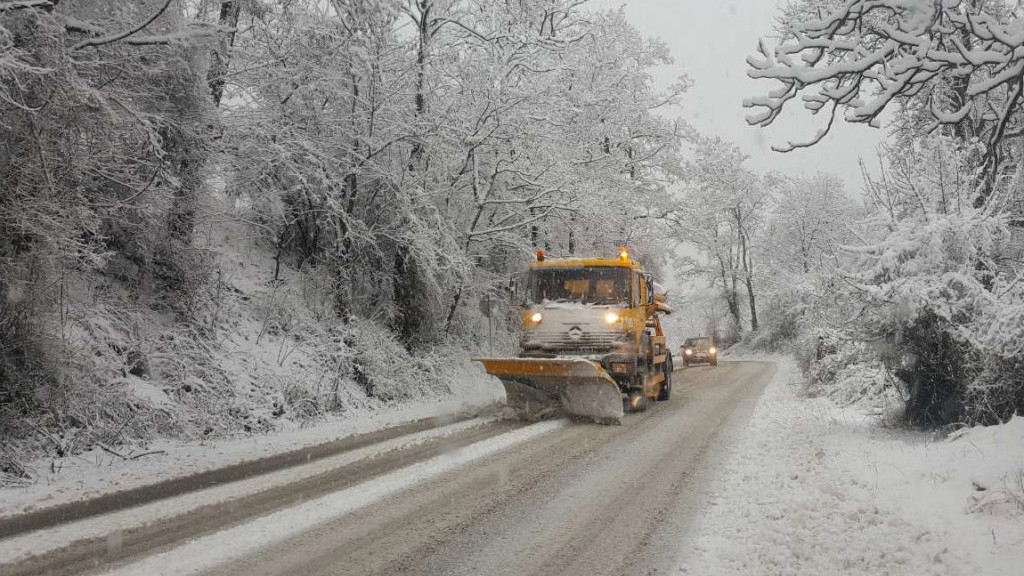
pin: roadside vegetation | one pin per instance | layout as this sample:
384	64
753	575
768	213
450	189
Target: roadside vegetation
222	217
907	295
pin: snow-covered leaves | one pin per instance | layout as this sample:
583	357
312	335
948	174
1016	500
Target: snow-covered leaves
963	60
924	280
447	139
927	291
721	214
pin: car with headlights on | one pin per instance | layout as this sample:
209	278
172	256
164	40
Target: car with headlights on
700	350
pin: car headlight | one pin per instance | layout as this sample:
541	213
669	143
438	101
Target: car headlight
688	352
537	317
611	317
712	350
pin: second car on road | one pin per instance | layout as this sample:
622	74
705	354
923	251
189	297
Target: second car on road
700	350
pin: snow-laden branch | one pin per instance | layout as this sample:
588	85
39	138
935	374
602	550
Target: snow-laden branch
547	211
867	54
46	5
122	35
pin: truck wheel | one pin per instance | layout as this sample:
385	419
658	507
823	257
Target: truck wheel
666	387
637	401
713	361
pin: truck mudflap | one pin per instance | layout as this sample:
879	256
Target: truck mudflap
581	387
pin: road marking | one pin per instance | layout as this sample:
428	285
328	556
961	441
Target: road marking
115	523
208	552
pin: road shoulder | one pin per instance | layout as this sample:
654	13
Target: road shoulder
802	493
95	476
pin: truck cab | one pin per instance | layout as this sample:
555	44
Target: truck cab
605	309
591	340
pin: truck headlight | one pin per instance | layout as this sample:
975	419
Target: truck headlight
611	317
688	352
712	350
537	317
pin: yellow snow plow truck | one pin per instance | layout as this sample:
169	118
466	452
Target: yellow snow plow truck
591	340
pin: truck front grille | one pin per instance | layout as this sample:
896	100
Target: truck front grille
591	340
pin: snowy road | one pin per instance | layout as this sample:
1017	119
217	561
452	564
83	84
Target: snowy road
498	498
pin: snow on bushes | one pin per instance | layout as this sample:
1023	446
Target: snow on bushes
926	296
810	489
258	354
927	280
847	372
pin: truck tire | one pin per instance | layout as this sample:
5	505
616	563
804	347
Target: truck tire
636	401
666	387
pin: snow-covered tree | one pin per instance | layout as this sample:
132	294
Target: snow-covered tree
721	214
923	275
448	154
402	156
103	120
953	64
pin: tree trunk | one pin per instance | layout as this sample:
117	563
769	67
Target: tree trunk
182	217
731	299
748	270
410	313
220	59
409	321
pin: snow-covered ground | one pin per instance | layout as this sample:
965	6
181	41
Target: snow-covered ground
96	473
205	553
248	537
811	489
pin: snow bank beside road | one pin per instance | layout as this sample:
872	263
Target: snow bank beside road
97	473
810	490
207	552
47	540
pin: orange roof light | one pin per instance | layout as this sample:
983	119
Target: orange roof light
624	253
540	255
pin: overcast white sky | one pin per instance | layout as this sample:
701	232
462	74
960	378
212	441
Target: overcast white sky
710	40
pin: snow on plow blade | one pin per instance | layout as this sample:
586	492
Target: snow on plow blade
582	387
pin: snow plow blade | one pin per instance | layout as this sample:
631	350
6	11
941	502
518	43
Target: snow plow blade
582	387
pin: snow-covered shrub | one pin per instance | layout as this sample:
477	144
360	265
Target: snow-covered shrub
782	321
70	383
846	371
103	148
998	334
926	291
384	368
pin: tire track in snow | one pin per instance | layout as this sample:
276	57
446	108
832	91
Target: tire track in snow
105	531
237	542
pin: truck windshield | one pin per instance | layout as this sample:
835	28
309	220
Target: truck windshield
603	286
